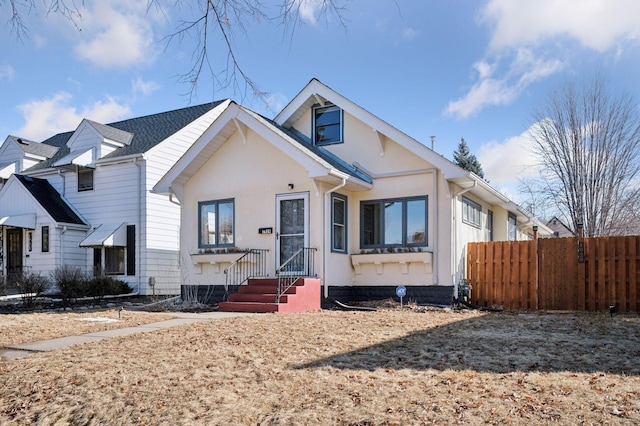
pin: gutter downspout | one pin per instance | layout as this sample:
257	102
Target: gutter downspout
64	182
455	236
327	234
435	227
64	230
520	227
139	226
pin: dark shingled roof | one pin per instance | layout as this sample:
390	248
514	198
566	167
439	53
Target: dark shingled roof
35	148
148	131
50	200
326	155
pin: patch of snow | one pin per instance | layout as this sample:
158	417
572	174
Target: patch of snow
98	319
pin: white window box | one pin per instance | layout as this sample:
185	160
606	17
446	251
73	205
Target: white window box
403	259
215	259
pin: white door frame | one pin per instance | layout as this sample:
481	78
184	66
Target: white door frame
291	196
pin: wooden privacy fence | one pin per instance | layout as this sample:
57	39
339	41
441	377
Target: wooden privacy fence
589	274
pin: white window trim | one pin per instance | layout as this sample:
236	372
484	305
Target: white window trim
469	206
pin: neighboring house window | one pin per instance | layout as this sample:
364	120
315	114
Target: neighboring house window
471	212
114	260
85	179
393	223
97	262
512	223
490	225
30	241
216	223
45	239
327	125
339	223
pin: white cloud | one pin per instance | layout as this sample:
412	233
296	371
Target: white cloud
309	9
504	162
7	72
596	24
524	69
46	117
116	34
276	101
144	87
409	34
527	44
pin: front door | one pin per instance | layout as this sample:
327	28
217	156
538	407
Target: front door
292	226
14	254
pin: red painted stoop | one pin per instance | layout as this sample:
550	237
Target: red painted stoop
259	295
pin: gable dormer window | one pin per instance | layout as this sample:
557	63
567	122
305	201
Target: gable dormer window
327	125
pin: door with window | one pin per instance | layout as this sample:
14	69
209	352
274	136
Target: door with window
292	227
14	254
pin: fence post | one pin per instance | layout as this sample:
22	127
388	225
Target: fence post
581	278
536	267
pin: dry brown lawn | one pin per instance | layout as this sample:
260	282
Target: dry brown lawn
341	368
23	328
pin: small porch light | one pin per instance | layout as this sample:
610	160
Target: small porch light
290	186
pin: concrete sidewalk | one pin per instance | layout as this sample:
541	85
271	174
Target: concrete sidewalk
25	349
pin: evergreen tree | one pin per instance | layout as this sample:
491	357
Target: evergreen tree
463	158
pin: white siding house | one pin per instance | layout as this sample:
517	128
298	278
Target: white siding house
378	208
103	174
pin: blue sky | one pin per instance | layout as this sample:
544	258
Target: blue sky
450	69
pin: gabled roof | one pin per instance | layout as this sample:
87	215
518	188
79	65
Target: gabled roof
34	148
315	92
147	131
112	133
318	162
50	200
306	143
559	228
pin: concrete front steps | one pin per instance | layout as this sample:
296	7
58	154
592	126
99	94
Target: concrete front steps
259	295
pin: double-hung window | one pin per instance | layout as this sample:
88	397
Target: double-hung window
114	260
396	222
512	223
339	223
85	179
490	225
471	212
327	125
44	239
216	223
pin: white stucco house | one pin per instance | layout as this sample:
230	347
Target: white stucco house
81	198
377	208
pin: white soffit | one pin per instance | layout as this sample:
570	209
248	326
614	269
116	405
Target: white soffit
7	169
27	221
81	157
107	235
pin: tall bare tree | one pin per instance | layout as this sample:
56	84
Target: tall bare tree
587	139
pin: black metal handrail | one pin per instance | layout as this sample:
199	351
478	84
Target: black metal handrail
251	264
300	265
